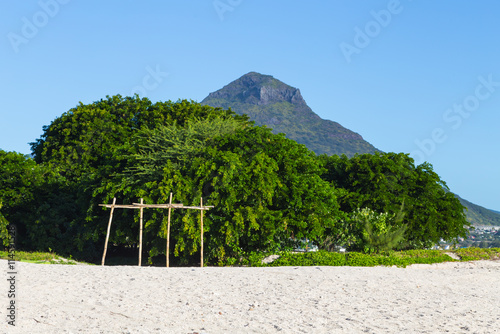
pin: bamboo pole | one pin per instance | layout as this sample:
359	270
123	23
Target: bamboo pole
201	211
140	234
118	206
158	206
141	206
168	230
107	233
195	207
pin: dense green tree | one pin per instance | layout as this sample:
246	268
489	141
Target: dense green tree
92	140
4	223
266	189
382	182
38	202
90	144
379	231
18	175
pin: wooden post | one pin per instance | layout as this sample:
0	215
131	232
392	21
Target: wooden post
107	233
168	230
201	205
140	233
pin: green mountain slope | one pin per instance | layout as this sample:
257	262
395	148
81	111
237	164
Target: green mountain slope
268	101
478	215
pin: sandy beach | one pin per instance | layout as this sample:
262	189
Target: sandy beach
443	298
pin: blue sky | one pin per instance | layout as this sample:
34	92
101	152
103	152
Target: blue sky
418	77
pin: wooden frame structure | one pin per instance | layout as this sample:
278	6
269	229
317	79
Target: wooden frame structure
141	206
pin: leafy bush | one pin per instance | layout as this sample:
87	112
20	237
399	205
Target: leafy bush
387	258
319	258
266	190
377	234
40	257
4	234
382	181
367	231
474	254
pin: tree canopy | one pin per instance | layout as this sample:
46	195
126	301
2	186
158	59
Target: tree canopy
383	181
266	189
268	192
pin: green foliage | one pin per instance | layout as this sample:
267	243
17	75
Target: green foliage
39	202
378	232
382	182
387	258
387	240
4	234
368	231
87	148
177	145
474	253
478	215
265	188
320	258
40	257
17	175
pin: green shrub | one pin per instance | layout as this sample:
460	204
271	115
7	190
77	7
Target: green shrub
40	257
387	258
474	253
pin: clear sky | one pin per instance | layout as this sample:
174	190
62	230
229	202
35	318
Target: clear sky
420	77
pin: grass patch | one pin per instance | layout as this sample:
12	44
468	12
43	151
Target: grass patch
319	258
390	258
39	257
474	253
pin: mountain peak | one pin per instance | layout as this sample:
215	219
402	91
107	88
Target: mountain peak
268	101
258	89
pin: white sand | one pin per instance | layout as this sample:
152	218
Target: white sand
443	298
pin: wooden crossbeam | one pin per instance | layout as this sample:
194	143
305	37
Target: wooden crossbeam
155	206
160	206
197	207
139	205
142	206
119	206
